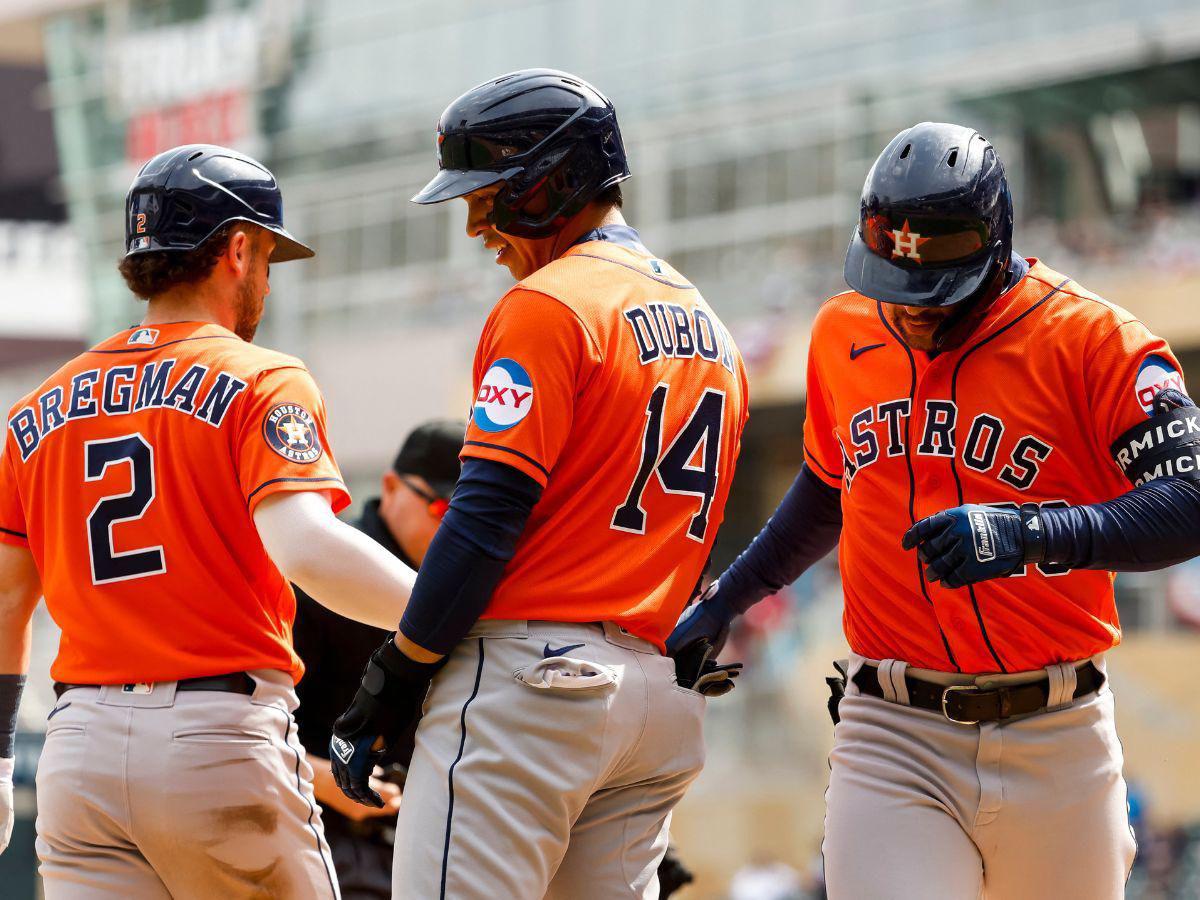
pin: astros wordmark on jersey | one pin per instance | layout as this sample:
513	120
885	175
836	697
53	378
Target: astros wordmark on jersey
905	436
147	456
631	487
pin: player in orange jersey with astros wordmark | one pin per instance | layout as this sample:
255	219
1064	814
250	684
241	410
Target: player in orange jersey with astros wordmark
162	489
608	414
975	424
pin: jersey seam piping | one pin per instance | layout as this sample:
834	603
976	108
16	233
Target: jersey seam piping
201	337
953	466
271	481
817	463
287	731
462	745
912	480
617	262
518	453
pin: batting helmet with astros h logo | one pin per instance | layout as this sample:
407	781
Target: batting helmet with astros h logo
550	138
183	195
936	219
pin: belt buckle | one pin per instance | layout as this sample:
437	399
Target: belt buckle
973	688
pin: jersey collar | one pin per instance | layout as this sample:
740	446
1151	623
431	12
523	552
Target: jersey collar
622	235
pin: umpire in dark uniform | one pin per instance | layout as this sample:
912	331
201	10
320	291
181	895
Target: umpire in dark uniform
404	518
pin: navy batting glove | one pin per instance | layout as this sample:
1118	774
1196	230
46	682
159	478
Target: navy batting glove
386	707
974	543
705	620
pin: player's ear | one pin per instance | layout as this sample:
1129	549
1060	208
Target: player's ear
239	251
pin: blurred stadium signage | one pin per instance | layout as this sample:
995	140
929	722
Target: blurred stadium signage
195	81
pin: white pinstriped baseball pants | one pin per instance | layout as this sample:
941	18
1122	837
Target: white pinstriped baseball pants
553	789
923	808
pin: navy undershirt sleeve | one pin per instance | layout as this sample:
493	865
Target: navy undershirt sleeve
466	559
1151	527
806	525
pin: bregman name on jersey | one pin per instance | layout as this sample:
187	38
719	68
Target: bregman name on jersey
122	390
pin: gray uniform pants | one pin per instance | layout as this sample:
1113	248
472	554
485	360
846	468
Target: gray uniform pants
153	793
921	807
547	764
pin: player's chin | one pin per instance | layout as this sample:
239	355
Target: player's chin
511	260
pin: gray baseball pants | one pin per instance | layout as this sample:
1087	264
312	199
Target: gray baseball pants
924	808
152	793
547	764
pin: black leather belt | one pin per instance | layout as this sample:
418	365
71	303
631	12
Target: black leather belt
969	704
234	683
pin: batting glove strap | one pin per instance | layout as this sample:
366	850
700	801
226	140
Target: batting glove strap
1033	532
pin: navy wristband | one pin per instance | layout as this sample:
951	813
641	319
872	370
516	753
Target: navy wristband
11	687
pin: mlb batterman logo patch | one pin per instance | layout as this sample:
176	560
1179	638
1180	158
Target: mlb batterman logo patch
505	396
289	431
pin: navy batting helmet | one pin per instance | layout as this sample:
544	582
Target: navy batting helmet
543	134
183	195
936	220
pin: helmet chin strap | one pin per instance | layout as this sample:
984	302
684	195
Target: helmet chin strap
987	293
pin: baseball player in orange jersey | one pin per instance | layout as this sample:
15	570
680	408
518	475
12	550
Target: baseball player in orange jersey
991	414
161	489
610	403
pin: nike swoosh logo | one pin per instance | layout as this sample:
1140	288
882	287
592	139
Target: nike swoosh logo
549	651
855	353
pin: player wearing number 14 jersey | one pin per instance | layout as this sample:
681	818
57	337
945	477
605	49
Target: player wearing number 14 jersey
608	414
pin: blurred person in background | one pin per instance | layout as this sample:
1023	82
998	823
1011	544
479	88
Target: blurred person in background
957	370
403	519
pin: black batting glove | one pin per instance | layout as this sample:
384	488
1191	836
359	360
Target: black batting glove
386	707
974	543
696	669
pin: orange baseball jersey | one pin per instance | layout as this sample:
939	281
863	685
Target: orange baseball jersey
607	378
1026	410
132	474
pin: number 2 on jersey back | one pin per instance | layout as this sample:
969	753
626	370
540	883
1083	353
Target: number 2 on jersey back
676	473
107	564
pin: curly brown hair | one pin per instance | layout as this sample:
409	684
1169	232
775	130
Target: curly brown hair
154	273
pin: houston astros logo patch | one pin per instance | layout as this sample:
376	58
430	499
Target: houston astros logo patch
505	396
290	432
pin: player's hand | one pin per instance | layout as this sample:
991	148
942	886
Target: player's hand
974	543
6	801
696	669
705	620
386	707
1168	399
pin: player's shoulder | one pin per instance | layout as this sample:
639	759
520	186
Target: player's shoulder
847	314
253	360
1073	307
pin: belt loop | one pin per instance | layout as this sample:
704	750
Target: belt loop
891	681
1061	685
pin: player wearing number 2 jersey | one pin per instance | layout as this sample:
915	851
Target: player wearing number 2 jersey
608	413
162	489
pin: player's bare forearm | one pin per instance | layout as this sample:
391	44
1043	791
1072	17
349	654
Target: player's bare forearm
20	588
335	564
